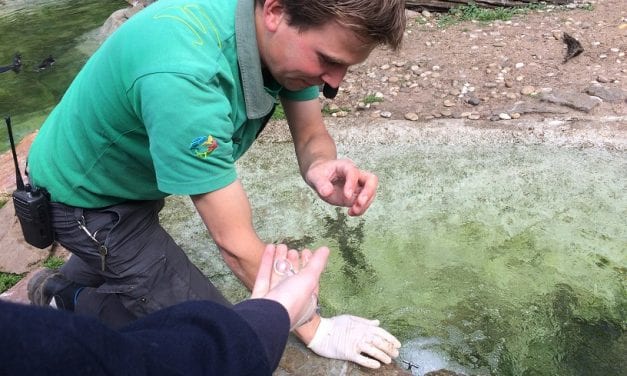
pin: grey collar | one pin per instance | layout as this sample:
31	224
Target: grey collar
258	102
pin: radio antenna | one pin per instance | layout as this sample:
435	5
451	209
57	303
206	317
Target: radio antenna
18	174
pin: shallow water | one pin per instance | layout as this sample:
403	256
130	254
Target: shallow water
501	259
67	30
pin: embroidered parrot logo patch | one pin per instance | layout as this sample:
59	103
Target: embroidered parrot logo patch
203	146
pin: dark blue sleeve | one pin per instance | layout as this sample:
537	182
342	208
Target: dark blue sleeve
193	338
269	320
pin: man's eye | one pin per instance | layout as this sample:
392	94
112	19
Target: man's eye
326	61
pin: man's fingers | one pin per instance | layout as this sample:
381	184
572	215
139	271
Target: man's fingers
389	348
325	189
318	261
365	320
378	346
376	353
305	255
351	181
293	257
281	252
367	191
386	336
299	290
264	274
366	361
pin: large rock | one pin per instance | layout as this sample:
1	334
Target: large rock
608	94
578	101
298	360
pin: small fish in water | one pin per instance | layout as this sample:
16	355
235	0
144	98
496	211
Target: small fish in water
410	365
46	63
16	66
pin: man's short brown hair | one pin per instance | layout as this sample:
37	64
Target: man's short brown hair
374	21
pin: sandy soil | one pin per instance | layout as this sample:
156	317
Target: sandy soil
477	69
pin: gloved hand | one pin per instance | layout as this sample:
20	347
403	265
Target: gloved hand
346	337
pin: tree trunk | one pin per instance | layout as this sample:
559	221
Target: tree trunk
445	5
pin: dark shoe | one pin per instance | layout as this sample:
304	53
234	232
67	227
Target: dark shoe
48	284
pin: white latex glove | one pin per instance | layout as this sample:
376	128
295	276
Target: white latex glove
347	337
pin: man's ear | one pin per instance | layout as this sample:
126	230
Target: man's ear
273	14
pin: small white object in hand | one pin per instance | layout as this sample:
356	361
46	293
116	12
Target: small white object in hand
283	267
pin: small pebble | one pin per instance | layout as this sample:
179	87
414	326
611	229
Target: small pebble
412	116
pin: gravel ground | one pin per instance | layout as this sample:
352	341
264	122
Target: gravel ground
485	70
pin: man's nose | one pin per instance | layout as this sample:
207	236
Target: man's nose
334	77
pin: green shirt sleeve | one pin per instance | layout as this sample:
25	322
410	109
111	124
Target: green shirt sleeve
189	129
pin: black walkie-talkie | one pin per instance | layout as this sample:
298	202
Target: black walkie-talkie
31	206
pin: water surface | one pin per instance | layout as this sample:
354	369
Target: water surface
498	259
66	30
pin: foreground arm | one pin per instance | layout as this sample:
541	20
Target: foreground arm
193	338
227	215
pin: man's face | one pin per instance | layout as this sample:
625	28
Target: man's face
301	59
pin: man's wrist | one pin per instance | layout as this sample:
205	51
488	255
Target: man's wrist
307	331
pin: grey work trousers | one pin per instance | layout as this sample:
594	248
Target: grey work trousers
144	269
